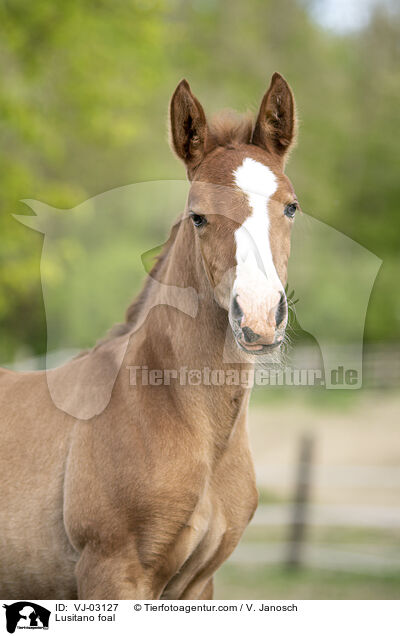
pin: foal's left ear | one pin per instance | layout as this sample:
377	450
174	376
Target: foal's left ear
275	128
188	126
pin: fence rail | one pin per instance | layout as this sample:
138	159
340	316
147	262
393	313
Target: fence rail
298	516
381	363
328	515
350	558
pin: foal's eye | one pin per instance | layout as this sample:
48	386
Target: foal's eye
198	219
290	210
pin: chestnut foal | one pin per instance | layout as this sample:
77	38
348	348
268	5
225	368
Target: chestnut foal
148	498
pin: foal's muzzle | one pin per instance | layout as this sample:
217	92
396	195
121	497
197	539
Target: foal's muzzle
259	326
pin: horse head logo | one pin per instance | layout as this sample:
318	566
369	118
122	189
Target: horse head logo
331	274
26	614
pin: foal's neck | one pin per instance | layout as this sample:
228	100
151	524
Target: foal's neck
204	338
176	337
173	341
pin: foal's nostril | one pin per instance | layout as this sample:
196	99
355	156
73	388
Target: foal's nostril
237	312
281	311
249	335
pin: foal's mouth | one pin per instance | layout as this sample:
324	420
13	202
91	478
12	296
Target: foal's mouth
254	348
270	329
258	349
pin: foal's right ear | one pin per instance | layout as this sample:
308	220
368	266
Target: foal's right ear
188	126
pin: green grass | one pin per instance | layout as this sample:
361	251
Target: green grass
235	581
266	496
337	536
341	400
277	582
315	397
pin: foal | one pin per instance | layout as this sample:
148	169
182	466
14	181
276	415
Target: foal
149	497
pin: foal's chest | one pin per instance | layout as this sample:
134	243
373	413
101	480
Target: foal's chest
212	532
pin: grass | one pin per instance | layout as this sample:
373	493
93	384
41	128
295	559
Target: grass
383	539
277	582
314	397
237	581
266	497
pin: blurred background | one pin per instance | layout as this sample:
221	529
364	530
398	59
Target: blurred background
84	92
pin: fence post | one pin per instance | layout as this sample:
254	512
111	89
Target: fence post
298	524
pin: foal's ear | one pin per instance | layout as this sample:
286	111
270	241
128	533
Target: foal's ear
188	126
275	127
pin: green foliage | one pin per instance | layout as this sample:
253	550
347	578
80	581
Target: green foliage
84	91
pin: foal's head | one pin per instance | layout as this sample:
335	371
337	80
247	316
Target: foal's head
242	207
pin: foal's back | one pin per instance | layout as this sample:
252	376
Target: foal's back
34	442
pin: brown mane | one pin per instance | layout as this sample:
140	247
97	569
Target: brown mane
136	305
231	128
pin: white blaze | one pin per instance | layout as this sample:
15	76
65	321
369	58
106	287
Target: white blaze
255	266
